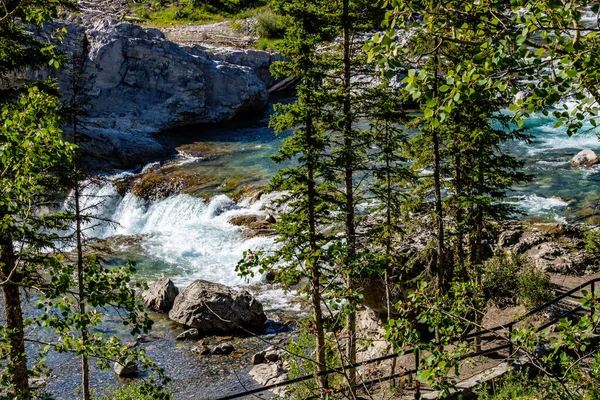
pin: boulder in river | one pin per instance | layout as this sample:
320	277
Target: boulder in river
215	308
129	370
585	158
160	295
269	374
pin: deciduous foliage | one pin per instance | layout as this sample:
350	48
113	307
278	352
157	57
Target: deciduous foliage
32	151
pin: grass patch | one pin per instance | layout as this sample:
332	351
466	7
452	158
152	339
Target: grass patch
267	44
161	13
516	385
173	16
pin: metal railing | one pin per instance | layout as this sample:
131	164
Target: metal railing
509	327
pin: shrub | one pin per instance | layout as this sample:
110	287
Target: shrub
509	279
267	44
500	280
270	25
136	391
534	287
516	384
592	242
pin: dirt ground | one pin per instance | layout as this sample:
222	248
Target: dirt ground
494	317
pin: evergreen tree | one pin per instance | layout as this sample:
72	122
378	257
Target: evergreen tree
390	184
305	247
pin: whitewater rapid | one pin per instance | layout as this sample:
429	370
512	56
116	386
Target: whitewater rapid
192	236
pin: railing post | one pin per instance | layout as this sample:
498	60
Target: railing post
417	390
510	343
593	294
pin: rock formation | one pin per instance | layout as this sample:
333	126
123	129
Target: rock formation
134	83
550	247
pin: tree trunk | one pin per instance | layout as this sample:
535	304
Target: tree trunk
478	253
81	296
388	236
315	278
349	187
460	237
13	317
440	263
85	369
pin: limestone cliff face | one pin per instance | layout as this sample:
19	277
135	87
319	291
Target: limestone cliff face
135	83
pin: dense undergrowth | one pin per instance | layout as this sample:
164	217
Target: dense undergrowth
165	13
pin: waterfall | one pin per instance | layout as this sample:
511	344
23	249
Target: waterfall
186	232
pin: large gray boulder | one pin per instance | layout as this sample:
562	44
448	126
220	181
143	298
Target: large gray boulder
215	308
585	158
160	295
135	84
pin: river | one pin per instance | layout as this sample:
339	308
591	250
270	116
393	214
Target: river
188	236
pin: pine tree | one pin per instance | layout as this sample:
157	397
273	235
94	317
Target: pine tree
392	178
309	186
349	147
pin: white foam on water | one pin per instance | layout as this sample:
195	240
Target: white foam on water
278	299
553	163
559	140
150	167
588	172
182	230
184	158
540	206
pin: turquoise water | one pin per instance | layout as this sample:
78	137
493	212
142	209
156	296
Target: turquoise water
558	192
188	236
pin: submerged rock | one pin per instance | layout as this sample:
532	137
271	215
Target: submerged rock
190	334
223	349
255	225
270	354
160	295
585	158
215	308
209	174
201	350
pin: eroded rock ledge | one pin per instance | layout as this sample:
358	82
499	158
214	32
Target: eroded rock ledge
134	83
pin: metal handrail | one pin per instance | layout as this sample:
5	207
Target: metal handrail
508	326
